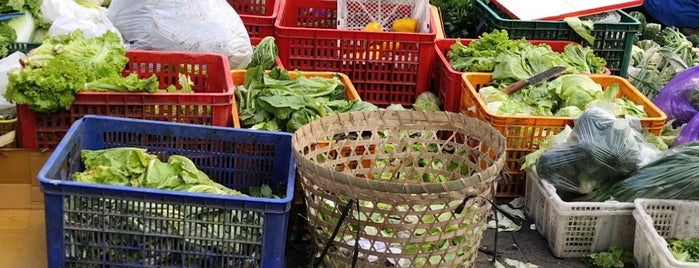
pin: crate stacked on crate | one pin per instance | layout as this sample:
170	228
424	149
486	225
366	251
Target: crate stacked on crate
447	81
657	220
257	15
613	40
385	67
525	133
89	224
575	229
211	103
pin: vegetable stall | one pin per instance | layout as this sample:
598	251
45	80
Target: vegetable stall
216	133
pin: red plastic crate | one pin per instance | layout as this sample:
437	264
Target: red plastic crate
396	70
447	81
258	15
212	102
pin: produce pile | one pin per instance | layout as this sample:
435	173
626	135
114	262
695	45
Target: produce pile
126	166
659	54
135	167
515	59
566	96
63	66
27	28
275	102
604	157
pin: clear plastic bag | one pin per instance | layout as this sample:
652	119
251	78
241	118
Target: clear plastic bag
183	25
600	149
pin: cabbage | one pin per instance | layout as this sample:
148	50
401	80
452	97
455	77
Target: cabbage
576	90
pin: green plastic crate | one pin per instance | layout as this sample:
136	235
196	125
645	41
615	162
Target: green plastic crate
613	41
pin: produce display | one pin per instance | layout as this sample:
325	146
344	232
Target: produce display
62	66
600	149
273	101
518	59
672	175
567	95
135	167
659	54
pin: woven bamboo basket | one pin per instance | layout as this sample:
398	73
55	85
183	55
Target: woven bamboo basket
417	185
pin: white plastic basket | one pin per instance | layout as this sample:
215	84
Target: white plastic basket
355	14
574	229
658	219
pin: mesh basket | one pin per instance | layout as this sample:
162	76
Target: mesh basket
355	14
419	182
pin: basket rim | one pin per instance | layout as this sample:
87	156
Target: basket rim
487	175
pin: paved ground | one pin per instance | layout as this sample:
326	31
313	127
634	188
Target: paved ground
525	245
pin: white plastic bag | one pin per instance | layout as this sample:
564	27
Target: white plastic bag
6	65
183	25
67	16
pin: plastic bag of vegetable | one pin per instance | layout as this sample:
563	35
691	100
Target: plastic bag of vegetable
600	149
183	25
679	98
673	175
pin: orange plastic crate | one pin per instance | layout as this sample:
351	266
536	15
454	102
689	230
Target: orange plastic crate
210	104
447	81
298	207
257	15
525	133
385	67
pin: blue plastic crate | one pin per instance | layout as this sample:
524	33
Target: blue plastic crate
95	225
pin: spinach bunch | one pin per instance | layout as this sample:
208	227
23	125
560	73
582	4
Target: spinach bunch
275	102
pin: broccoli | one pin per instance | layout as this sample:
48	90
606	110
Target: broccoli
650	31
641	18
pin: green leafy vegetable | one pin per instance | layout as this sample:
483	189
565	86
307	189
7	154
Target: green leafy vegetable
119	83
459	17
427	101
479	55
7	36
276	102
264	54
513	60
128	166
60	67
684	249
614	258
582	27
601	149
673	175
576	90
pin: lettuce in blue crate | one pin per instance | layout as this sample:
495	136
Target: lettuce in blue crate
127	166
